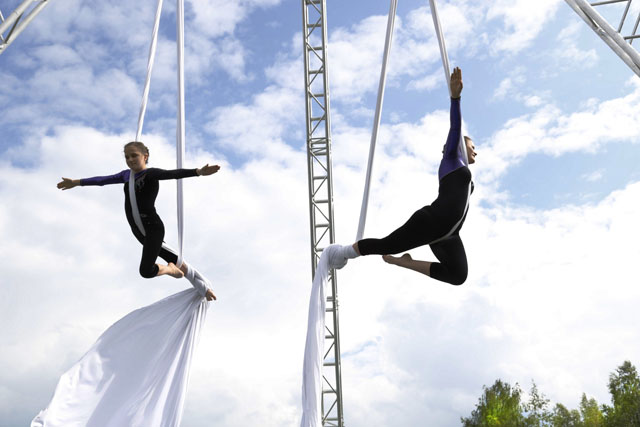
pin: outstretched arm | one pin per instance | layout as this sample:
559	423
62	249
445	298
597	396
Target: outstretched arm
455	129
68	183
163	174
456	83
207	170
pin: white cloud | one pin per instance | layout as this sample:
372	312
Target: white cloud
544	285
356	52
219	17
523	21
593	176
568	50
503	88
548	131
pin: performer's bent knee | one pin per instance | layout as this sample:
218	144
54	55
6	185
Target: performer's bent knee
149	272
458	279
452	276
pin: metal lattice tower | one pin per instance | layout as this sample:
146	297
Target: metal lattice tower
18	20
620	44
321	193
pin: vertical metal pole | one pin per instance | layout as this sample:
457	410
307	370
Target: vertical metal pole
321	192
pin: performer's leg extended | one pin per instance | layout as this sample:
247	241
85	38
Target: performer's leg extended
419	230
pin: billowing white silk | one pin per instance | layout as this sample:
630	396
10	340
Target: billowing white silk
314	347
136	374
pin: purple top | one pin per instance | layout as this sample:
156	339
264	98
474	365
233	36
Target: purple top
119	178
452	157
146	187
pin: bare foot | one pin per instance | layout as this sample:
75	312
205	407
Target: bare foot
210	295
401	260
174	271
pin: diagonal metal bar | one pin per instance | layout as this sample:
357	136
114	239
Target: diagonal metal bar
607	33
624	15
18	20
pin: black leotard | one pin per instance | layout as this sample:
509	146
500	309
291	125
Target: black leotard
147	186
437	224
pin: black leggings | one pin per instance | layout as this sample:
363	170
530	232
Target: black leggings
422	229
152	247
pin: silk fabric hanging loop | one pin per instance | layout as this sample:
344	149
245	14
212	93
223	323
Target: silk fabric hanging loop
445	65
134	202
376	124
150	62
376	121
143	109
180	130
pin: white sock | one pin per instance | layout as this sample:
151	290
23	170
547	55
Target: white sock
348	252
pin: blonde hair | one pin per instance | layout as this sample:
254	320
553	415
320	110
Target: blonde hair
140	147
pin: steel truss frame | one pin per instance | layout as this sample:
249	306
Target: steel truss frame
321	192
18	20
611	36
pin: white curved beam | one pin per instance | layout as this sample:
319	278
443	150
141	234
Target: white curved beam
18	20
607	33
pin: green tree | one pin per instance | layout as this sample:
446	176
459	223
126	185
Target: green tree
591	413
499	406
624	386
536	408
562	417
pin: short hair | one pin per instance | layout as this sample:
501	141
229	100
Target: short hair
140	147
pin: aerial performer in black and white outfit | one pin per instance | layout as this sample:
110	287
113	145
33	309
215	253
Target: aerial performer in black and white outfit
146	190
437	225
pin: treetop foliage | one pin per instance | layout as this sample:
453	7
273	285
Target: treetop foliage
501	405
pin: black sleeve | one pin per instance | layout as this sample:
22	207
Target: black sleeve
162	174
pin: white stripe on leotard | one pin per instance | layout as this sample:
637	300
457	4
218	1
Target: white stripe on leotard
457	224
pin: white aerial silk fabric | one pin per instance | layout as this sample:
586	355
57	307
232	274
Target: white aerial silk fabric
150	61
180	126
376	120
314	347
136	374
462	148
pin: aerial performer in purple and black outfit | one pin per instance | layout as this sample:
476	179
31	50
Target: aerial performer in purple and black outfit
438	224
146	189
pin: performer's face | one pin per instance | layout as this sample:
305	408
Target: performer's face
471	150
135	159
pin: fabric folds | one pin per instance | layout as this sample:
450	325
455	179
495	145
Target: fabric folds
136	373
314	347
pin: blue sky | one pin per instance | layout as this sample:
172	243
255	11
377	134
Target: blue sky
550	235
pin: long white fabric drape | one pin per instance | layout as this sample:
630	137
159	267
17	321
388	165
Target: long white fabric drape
180	127
314	347
136	374
376	120
445	66
150	61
